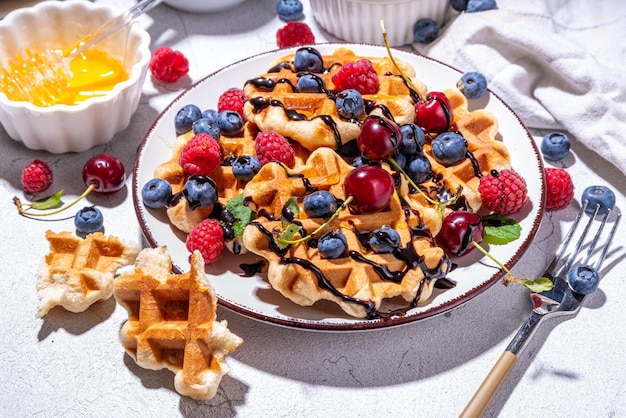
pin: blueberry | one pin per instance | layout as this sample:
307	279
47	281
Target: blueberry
210	114
359	161
600	196
229	122
289	10
425	30
459	5
413	139
204	125
419	168
310	83
583	279
308	59
200	191
332	244
480	5
185	117
384	240
88	220
401	160
350	104
555	146
449	148
245	167
472	84
319	204
156	193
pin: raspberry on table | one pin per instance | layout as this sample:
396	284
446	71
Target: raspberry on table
201	155
232	99
208	238
503	192
293	34
36	177
272	146
168	65
560	188
360	76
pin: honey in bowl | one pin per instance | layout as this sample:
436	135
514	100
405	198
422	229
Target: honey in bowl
43	79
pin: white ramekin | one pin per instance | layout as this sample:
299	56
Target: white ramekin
203	6
72	128
359	20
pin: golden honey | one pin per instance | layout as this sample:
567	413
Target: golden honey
40	77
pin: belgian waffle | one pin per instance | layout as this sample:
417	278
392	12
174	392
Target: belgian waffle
172	323
78	272
486	153
311	119
358	282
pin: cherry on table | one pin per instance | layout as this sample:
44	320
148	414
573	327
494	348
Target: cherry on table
105	172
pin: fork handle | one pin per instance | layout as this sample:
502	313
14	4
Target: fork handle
488	389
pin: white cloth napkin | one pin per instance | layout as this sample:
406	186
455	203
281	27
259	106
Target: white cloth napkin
560	64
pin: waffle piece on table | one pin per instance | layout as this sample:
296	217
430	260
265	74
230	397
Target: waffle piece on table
78	272
172	323
362	279
316	122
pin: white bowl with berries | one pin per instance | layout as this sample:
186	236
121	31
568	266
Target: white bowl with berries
359	20
96	112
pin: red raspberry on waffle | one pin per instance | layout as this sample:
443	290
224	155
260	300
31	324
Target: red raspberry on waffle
360	76
208	238
232	99
201	155
272	146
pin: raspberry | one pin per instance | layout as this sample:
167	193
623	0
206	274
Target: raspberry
36	177
232	99
168	65
272	146
208	238
293	34
560	188
201	155
503	192
360	76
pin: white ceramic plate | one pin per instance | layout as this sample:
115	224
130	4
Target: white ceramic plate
253	296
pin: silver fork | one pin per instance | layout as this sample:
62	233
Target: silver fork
559	301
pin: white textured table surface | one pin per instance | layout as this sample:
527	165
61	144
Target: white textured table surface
72	365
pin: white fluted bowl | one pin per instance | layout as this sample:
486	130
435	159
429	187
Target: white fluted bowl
359	20
72	128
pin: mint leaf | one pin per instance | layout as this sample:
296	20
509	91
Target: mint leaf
542	284
241	212
287	235
48	202
500	230
290	211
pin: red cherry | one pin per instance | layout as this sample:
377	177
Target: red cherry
458	230
379	138
105	172
371	188
434	113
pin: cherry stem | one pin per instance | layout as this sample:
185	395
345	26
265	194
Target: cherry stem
406	79
24	212
322	226
502	266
